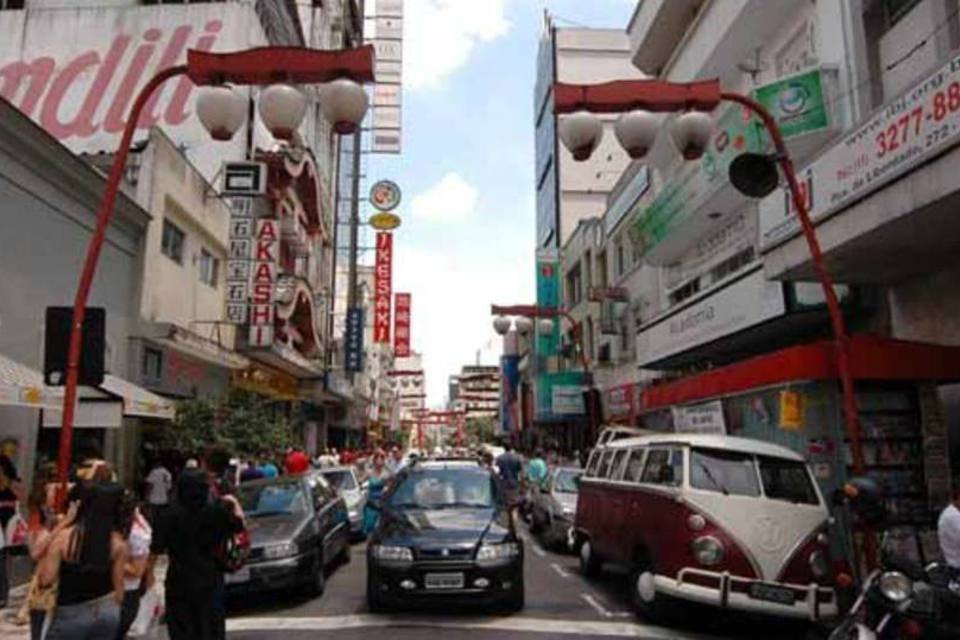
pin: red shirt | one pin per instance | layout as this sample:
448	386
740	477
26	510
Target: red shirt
296	462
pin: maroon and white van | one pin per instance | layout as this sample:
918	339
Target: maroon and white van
720	520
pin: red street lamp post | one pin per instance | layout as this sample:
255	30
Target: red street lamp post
638	100
344	103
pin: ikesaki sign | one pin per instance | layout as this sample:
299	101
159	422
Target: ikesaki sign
401	325
919	124
383	288
266	253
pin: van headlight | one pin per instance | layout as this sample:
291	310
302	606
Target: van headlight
895	586
282	550
497	553
392	555
708	551
818	564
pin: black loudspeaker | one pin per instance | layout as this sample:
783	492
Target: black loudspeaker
57	344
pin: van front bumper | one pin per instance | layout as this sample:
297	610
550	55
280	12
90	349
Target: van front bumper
811	601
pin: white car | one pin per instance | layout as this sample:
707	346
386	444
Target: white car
344	480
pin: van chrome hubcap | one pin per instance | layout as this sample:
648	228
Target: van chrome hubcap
645	587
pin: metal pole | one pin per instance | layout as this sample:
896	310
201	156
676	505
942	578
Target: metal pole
355	199
89	270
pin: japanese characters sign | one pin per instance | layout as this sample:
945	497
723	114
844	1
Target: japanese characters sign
383	288
401	325
266	252
353	355
242	227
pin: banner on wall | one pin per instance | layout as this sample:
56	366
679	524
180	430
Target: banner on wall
510	393
401	325
706	417
383	288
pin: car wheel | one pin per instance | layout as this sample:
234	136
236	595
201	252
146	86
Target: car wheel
375	601
649	604
318	581
590	564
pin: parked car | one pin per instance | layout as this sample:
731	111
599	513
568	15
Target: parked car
554	506
298	528
344	480
731	522
444	532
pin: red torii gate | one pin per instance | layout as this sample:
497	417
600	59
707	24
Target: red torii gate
425	417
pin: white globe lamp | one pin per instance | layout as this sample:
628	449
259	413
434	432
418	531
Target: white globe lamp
580	133
501	324
524	325
636	131
221	110
344	104
282	107
691	133
545	326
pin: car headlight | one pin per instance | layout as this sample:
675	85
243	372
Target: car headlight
567	511
496	553
384	553
818	564
353	514
895	586
708	550
282	550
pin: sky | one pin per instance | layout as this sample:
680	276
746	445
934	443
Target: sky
467	168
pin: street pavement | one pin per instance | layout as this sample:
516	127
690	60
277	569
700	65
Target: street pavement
560	603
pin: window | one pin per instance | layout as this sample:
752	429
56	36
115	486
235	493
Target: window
727	472
621	259
787	480
664	466
151	363
11	4
616	469
574	286
732	264
602	269
685	291
209	268
603	470
594	463
634	465
172	242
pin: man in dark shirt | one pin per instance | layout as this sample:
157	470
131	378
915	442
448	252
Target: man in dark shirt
190	533
510	466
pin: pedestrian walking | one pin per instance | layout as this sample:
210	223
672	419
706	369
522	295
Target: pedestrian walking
159	483
267	468
191	535
11	492
510	468
296	462
42	526
85	561
138	534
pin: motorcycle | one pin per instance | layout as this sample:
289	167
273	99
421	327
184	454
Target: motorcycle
901	598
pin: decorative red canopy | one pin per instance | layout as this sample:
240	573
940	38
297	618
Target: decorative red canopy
871	358
623	95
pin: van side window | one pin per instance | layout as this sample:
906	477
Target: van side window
616	469
604	469
634	466
664	466
593	463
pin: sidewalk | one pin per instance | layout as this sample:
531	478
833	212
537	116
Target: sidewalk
10	630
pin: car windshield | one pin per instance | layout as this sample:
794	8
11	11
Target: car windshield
444	488
284	498
787	480
729	472
341	480
567	481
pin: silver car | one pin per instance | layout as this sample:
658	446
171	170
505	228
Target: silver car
554	507
344	480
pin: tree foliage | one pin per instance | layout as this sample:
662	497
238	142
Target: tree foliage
243	423
481	430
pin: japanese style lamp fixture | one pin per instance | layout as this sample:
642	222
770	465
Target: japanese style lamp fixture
581	133
282	107
524	325
636	132
222	110
344	103
501	324
545	325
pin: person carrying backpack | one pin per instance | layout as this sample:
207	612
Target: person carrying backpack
193	534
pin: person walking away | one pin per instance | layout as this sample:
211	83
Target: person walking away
190	534
537	469
85	560
267	468
395	462
159	483
11	491
43	524
510	468
138	533
948	532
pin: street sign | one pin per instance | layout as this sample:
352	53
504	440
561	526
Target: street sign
385	195
353	348
244	179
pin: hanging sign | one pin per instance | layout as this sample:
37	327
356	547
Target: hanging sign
264	280
242	226
384	221
353	356
383	288
401	325
385	195
706	417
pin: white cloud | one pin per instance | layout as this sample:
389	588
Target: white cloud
439	36
452	199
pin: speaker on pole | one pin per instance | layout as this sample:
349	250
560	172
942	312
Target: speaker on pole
57	345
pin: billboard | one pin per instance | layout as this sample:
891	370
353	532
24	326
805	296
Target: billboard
401	325
383	288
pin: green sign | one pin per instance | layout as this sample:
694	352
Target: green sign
548	295
695	183
797	103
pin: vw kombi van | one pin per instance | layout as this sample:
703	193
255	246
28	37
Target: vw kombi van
720	520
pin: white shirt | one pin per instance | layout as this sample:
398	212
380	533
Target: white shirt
138	546
948	529
160	481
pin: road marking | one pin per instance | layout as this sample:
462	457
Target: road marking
537	549
563	572
517	624
602	610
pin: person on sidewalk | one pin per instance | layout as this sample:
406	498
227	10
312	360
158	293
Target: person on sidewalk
86	561
159	483
190	534
139	535
11	492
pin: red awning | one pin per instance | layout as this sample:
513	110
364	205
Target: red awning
871	358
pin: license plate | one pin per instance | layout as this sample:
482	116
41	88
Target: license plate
771	593
443	581
239	576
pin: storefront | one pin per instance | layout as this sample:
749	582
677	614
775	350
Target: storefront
791	397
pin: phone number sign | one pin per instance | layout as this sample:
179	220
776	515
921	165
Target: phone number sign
918	125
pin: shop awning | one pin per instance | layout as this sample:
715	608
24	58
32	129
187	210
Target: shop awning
871	358
22	386
139	402
104	407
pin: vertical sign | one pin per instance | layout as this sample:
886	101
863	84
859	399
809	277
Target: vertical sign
383	288
388	90
353	356
238	259
266	245
401	325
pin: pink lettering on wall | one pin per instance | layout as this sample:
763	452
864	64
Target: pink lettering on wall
67	95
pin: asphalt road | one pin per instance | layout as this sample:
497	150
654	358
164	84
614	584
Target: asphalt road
560	603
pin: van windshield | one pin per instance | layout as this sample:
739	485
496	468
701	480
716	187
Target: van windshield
729	472
787	480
